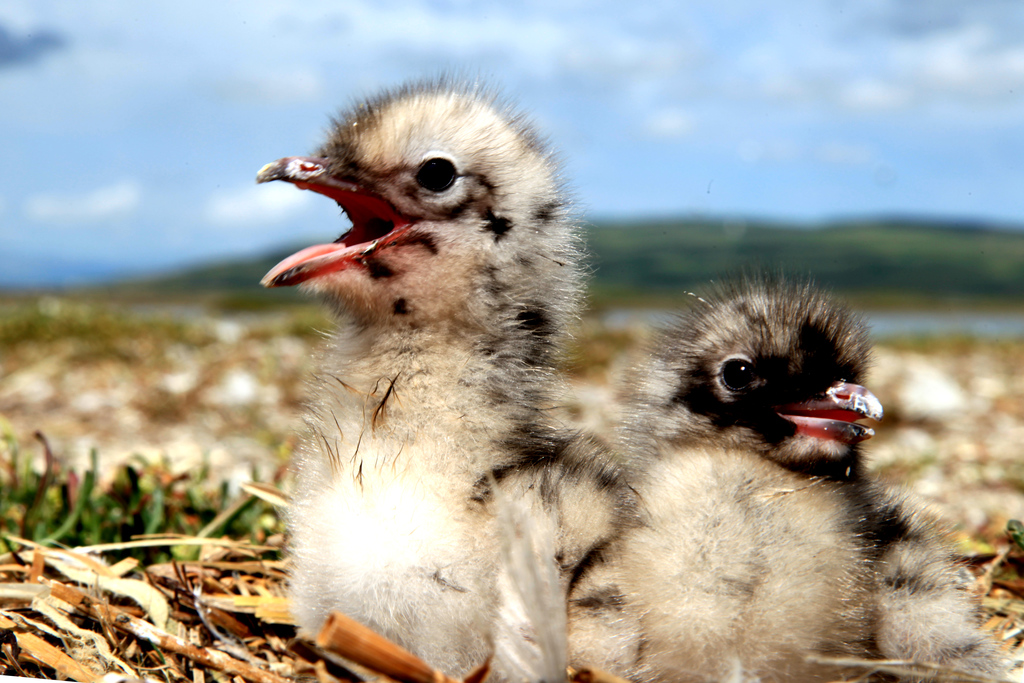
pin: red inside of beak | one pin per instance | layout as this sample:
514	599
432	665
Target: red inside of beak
376	224
371	216
838	415
833	415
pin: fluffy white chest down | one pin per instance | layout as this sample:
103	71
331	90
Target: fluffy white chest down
399	547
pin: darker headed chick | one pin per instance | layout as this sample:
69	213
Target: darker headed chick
768	366
767	551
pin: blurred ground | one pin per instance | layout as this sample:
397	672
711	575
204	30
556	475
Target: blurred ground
227	391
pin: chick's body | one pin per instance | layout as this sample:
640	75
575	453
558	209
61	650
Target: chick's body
454	290
759	570
766	549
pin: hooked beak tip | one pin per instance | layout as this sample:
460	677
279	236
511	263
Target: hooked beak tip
271	171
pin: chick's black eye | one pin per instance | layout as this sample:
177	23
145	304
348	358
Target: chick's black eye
436	175
737	374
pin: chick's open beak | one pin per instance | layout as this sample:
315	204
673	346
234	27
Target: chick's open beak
375	222
833	415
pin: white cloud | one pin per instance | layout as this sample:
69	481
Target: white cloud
967	62
281	87
112	202
259	204
884	56
786	151
784	86
758	151
872	94
669	123
844	154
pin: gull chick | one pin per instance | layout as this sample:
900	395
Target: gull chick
453	289
766	548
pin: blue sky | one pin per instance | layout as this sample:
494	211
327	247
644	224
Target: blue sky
131	132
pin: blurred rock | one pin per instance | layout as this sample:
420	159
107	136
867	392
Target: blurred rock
237	388
928	393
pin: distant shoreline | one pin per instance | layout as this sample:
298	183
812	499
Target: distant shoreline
883	324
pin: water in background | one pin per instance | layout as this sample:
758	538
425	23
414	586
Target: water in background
884	325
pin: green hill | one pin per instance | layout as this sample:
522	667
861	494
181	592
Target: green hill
884	261
881	262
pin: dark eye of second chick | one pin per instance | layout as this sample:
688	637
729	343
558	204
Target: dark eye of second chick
737	374
436	175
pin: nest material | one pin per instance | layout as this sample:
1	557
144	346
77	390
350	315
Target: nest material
67	614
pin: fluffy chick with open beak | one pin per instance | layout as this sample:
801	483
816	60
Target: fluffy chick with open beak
454	288
765	546
766	366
